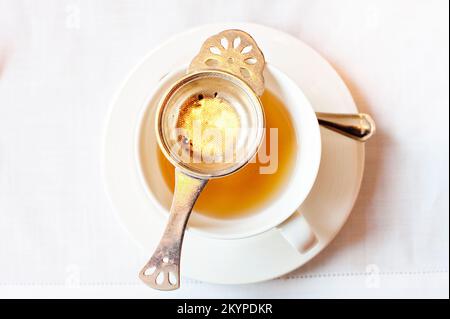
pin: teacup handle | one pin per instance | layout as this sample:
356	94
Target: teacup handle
166	258
297	231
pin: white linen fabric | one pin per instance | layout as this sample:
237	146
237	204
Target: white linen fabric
61	63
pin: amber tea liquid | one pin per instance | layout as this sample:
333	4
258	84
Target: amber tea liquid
247	190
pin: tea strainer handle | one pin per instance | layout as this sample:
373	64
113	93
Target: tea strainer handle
235	52
162	271
359	127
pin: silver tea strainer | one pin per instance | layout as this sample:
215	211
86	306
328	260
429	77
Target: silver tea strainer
209	124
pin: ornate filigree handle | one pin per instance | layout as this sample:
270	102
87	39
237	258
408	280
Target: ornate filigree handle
162	271
235	52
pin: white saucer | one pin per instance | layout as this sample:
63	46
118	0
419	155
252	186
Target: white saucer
267	255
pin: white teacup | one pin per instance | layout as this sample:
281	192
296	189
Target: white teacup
281	211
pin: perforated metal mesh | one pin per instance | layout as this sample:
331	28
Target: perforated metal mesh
210	124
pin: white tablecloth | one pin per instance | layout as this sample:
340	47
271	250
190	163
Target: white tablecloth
62	61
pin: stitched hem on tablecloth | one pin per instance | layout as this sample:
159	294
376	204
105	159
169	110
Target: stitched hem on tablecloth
192	281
